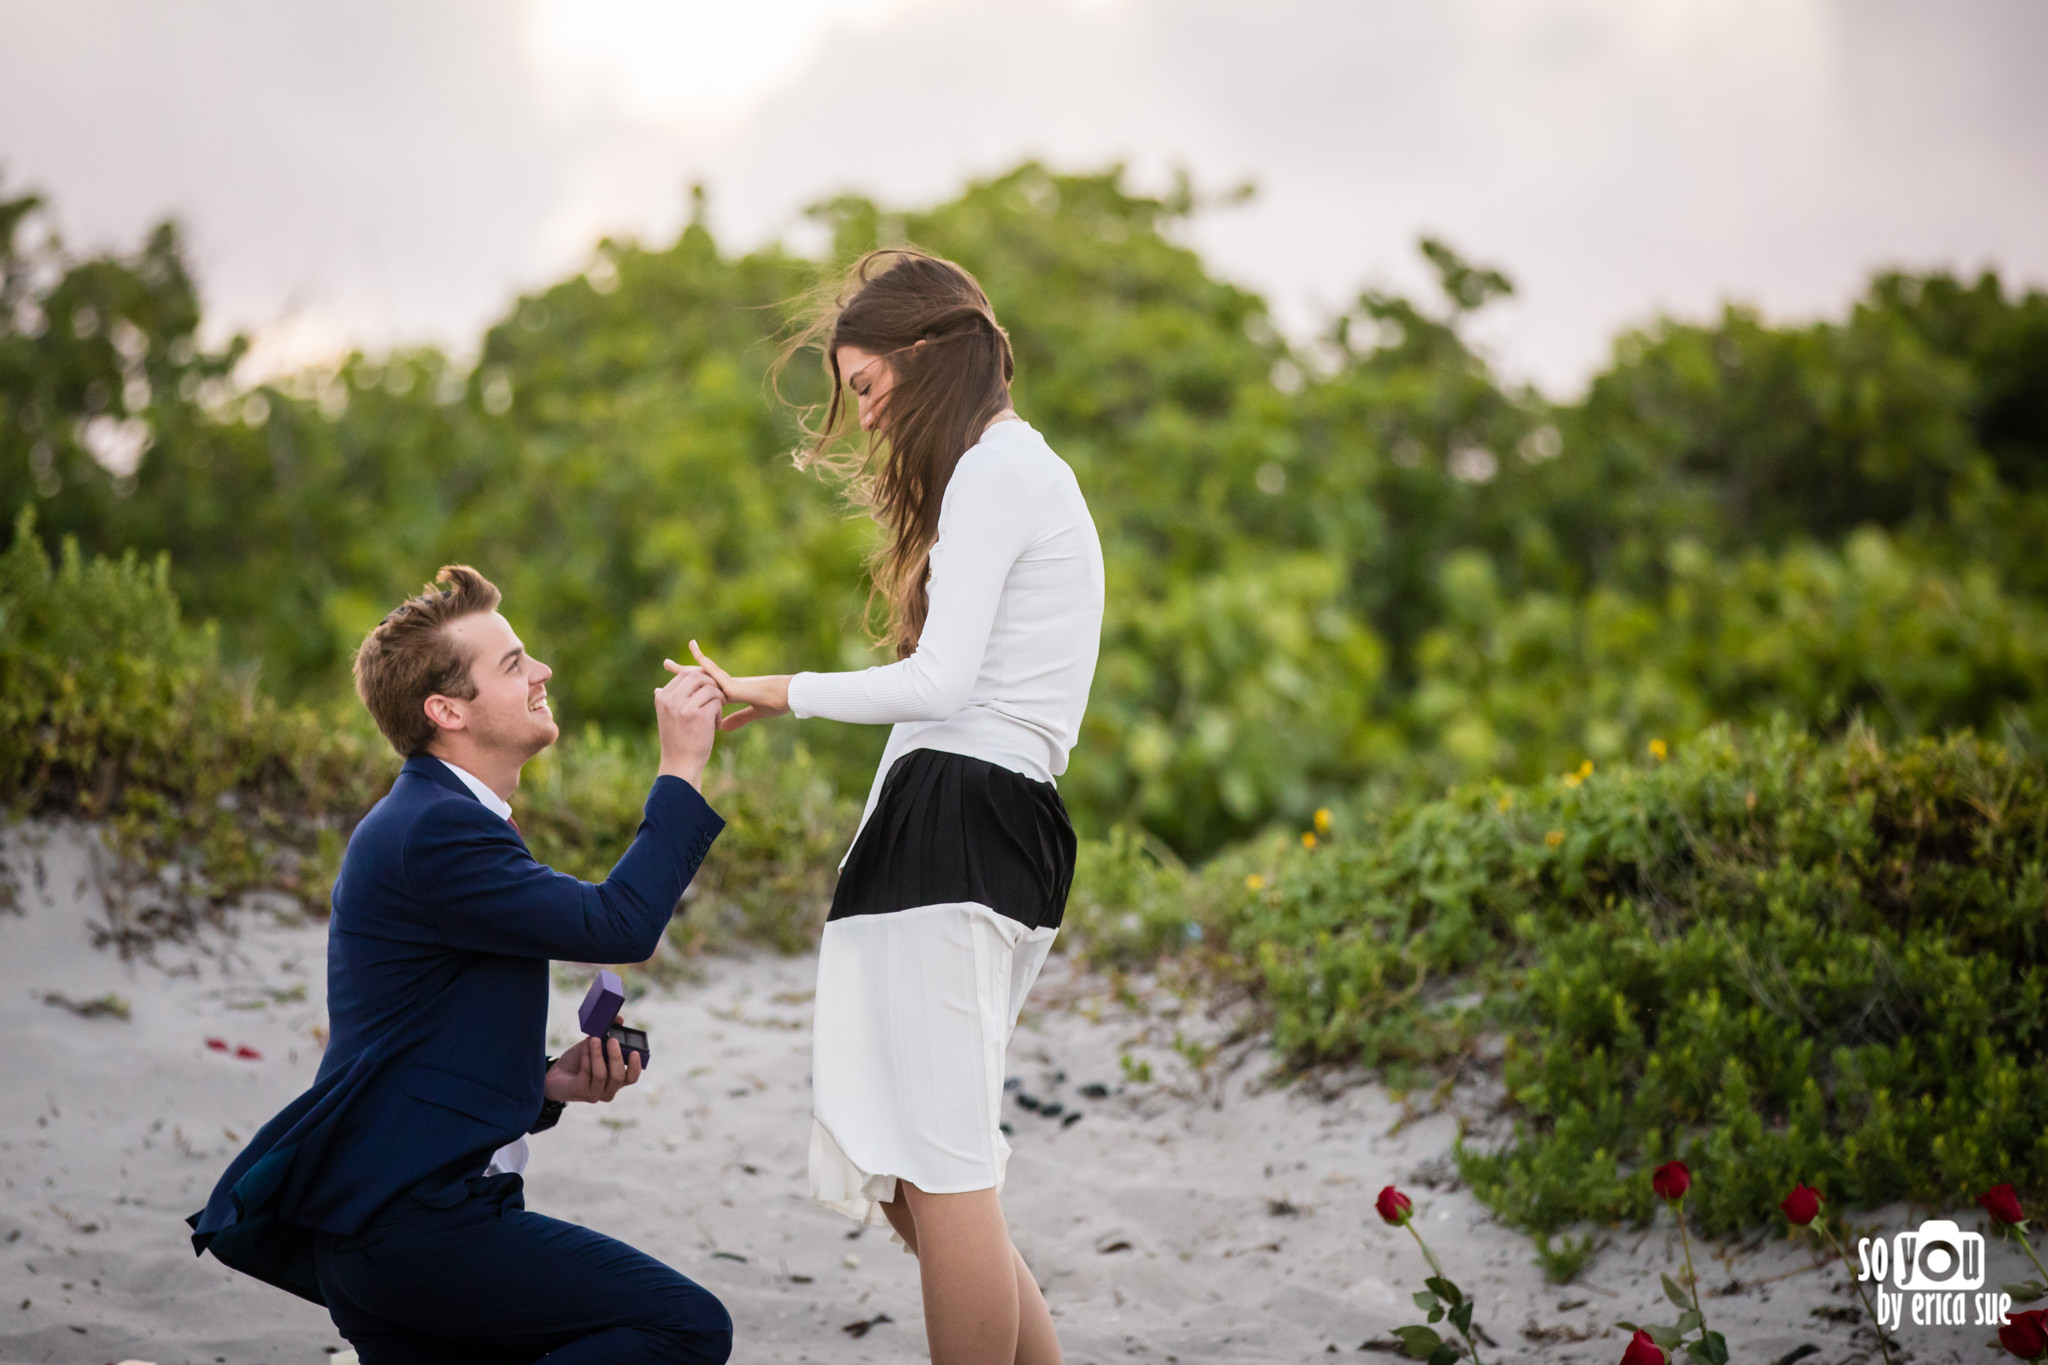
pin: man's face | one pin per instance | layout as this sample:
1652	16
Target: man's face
509	713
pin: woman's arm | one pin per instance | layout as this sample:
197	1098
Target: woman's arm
983	527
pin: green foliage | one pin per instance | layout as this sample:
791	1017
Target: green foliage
1534	685
1361	561
113	710
1567	1258
1777	959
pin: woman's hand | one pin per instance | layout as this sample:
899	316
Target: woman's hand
763	697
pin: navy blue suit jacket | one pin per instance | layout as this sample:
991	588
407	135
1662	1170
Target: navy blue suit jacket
437	998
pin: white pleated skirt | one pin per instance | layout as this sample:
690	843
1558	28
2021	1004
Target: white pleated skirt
915	1009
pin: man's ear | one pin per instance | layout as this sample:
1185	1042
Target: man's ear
445	712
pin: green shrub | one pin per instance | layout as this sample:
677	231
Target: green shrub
113	710
1804	962
1825	636
1779	958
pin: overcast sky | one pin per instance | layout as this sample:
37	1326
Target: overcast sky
391	171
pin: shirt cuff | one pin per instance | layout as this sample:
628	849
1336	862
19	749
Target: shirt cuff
798	707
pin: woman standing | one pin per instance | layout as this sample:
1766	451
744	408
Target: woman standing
957	878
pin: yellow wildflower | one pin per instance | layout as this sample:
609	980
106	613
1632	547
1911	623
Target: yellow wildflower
1658	750
1554	838
1323	820
1254	882
1308	838
1507	799
1585	770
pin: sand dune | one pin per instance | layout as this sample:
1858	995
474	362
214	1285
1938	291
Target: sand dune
1203	1215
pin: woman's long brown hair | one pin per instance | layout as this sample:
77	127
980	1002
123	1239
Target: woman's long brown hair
945	393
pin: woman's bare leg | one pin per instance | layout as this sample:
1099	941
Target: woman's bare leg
1037	1343
981	1306
899	1218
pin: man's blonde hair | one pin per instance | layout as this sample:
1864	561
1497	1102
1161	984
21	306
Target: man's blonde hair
409	656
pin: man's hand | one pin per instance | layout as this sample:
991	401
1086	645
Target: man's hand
686	712
591	1072
764	696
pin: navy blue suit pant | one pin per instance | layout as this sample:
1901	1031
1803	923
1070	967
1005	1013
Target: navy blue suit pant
487	1283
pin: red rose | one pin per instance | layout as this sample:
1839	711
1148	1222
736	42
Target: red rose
1801	1205
1641	1350
2001	1203
2025	1335
1671	1180
1394	1206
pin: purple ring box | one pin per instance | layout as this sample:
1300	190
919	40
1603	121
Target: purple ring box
601	1006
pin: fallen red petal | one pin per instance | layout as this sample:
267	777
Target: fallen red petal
217	1044
248	1054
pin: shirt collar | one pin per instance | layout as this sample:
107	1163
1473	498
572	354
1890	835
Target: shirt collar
492	801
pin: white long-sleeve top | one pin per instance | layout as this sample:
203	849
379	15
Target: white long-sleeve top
1014	622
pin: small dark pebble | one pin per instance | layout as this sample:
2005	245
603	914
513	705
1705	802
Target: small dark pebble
1008	1131
1059	1078
1836	1313
1070	1120
1030	1102
1389	1345
1095	1090
1053	1110
799	1279
1569	1304
1011	1083
728	1256
853	1236
1799	1352
76	1328
857	1330
1283	1208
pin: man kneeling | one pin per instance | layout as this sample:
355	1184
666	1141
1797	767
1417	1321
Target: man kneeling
390	1191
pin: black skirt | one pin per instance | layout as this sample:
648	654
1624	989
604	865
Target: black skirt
948	829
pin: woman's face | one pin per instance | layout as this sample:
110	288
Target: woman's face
870	378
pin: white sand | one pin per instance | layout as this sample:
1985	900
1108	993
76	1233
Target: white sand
1195	1218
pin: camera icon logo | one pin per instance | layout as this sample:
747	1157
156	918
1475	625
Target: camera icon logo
1938	1256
